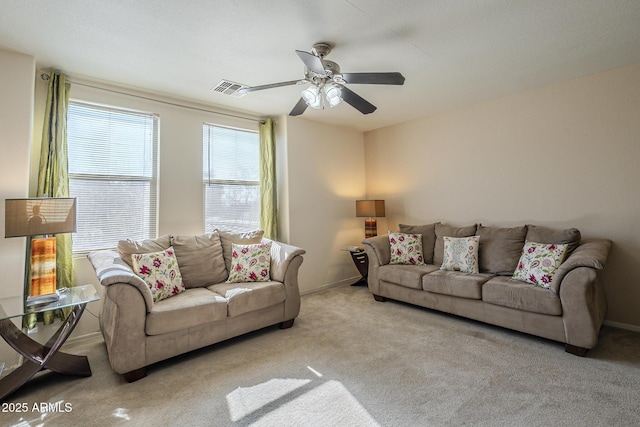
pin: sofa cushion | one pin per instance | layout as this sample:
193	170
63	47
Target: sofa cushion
128	247
460	254
500	248
450	231
200	259
409	276
249	296
508	292
539	263
160	272
568	236
405	248
228	238
428	233
250	263
191	308
455	283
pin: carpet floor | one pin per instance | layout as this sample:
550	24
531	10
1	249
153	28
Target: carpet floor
351	361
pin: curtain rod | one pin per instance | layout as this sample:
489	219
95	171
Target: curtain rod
45	76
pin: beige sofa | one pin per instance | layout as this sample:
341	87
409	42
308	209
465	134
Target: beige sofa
139	332
571	311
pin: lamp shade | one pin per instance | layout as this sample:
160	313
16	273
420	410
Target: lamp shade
39	216
370	208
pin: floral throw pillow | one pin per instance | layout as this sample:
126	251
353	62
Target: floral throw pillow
405	248
250	263
461	254
539	262
161	273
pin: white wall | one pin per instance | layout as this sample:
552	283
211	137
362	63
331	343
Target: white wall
16	106
325	167
566	155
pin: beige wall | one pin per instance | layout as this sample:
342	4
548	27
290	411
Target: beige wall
16	106
566	155
325	167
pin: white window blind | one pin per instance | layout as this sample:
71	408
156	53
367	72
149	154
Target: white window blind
112	171
231	178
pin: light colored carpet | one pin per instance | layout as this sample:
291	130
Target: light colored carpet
351	361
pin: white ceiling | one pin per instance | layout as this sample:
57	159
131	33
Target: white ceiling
452	52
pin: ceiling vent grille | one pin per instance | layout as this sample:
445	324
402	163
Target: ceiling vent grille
227	87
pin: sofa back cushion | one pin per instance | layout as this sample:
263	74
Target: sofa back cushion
569	236
228	238
428	238
128	247
500	248
443	230
200	259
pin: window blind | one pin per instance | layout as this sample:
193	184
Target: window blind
231	178
112	171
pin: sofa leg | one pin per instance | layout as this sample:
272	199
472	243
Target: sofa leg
136	374
286	324
379	298
578	351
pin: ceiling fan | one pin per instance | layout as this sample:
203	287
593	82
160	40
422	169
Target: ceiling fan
327	83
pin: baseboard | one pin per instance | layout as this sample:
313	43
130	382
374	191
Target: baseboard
346	281
619	325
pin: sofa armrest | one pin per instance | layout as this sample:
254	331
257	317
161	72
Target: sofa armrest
584	304
590	253
111	269
378	251
381	248
281	256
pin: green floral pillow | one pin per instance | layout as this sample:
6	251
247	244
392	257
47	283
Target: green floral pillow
461	254
161	273
250	263
405	248
539	262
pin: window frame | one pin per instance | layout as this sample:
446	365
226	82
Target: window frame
151	230
209	181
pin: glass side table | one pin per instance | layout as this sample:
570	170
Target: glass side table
36	356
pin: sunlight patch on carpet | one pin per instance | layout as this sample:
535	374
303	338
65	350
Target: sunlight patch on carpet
246	400
284	402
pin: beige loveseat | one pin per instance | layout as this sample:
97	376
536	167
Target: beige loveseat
139	332
570	311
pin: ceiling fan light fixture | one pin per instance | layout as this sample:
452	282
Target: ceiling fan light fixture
333	93
312	97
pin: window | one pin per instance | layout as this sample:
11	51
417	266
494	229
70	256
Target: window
231	178
112	171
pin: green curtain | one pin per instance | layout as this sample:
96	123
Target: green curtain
53	176
268	197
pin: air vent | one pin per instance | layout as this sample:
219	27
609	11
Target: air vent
227	87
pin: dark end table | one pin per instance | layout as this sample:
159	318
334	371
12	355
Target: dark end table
36	356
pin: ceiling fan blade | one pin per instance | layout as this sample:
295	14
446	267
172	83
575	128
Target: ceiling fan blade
374	78
356	101
244	90
312	62
299	108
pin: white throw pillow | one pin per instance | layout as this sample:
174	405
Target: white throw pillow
250	263
161	273
461	254
539	263
405	248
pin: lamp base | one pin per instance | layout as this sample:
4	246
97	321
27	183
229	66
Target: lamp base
43	266
370	228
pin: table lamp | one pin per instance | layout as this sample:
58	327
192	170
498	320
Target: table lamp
42	216
370	209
